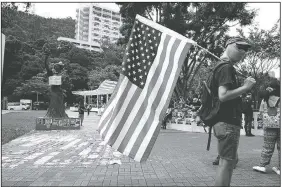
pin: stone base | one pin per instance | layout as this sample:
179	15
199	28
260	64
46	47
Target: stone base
43	123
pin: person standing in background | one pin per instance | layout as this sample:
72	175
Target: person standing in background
248	112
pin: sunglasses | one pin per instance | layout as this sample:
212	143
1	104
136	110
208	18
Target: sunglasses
243	47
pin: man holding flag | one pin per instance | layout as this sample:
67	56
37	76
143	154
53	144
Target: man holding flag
132	119
229	116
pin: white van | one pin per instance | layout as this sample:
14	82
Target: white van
16	106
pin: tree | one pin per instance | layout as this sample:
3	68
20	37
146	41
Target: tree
35	84
264	56
205	23
96	77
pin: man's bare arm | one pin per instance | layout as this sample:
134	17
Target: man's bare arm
225	94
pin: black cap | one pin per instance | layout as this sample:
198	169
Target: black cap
237	40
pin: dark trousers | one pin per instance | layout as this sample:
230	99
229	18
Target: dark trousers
248	122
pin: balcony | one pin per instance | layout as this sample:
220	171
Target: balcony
116	19
97	8
106	16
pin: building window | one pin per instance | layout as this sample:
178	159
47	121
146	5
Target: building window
105	31
97	14
85	45
95	34
116	19
97	8
115	14
105	10
107	26
106	16
96	40
115	28
97	19
115	23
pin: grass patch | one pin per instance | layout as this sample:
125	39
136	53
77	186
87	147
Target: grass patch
16	124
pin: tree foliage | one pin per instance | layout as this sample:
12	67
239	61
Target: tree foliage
263	57
205	23
24	69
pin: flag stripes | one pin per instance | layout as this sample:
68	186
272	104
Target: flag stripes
161	109
131	121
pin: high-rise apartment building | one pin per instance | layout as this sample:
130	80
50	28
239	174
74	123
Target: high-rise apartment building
95	22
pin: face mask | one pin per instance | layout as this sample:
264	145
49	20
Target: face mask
234	54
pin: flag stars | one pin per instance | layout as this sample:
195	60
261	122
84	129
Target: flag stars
140	53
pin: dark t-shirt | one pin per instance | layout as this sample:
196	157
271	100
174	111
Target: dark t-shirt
81	109
230	111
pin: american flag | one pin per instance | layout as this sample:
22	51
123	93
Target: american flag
151	65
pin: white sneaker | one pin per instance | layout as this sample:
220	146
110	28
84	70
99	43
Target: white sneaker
259	168
276	170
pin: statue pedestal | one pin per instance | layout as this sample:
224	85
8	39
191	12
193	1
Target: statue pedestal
44	123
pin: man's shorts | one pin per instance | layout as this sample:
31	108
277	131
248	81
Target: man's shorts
228	140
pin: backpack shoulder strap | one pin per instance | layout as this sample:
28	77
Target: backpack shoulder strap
219	65
277	103
209	139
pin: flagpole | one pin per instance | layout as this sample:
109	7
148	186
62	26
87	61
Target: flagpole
217	58
208	51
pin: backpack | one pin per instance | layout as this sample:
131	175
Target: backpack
272	111
210	101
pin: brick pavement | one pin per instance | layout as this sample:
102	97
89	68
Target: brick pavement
80	158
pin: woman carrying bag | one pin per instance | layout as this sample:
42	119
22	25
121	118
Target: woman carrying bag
270	111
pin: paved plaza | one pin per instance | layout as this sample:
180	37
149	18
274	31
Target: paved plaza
80	158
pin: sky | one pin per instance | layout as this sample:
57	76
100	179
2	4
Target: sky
268	14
